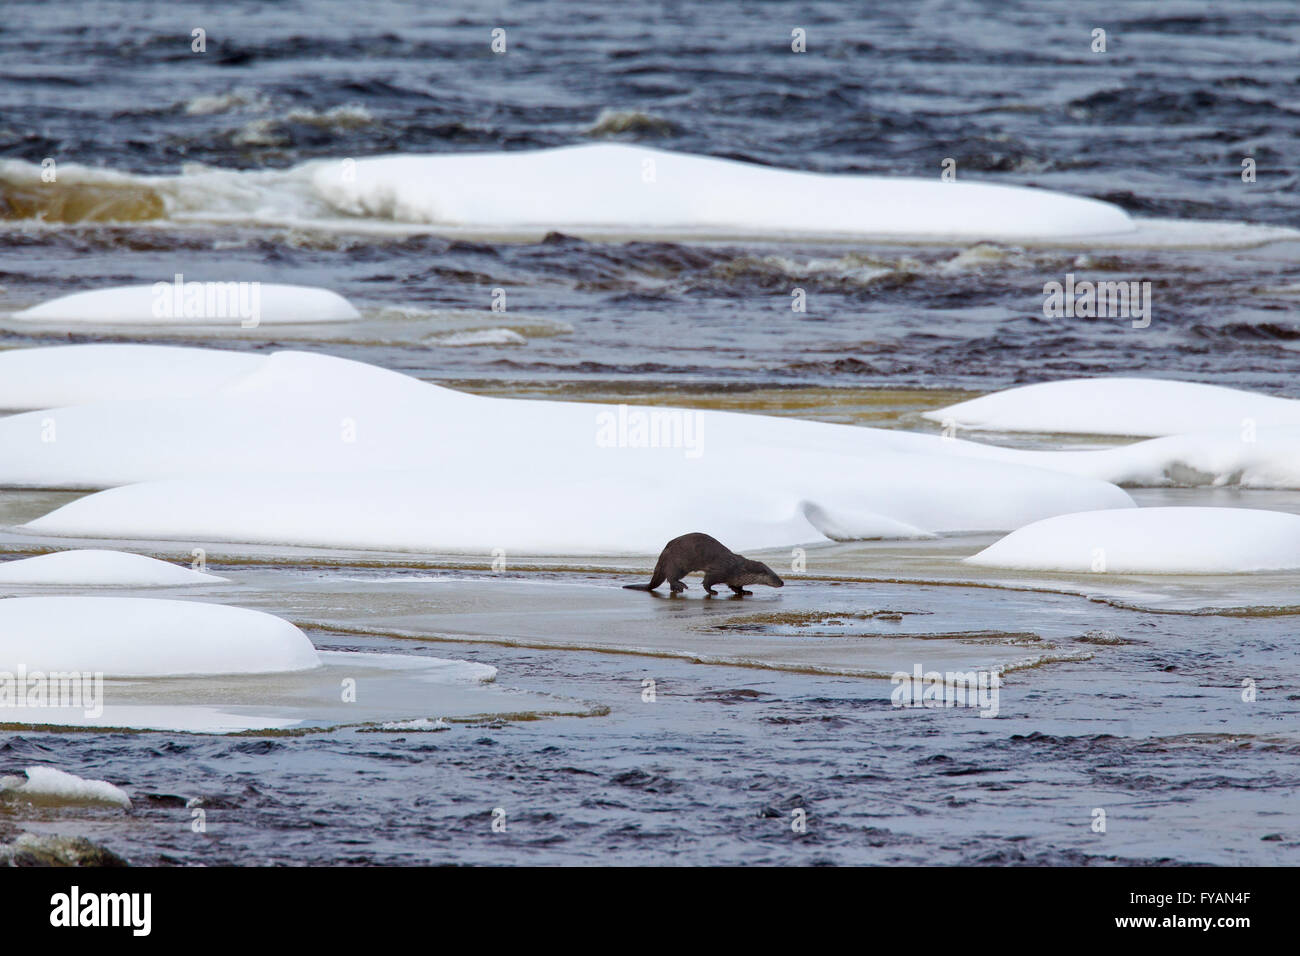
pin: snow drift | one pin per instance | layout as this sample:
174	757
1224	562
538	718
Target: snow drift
1139	407
1152	541
75	374
146	637
616	186
309	449
95	568
192	302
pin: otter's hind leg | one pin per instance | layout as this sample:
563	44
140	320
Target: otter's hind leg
674	572
710	580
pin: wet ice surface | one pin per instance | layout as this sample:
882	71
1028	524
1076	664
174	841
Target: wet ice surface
1139	713
350	689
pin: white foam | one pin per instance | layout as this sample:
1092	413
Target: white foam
314	450
207	105
480	337
95	568
200	303
1152	541
49	785
74	374
348	116
1144	407
611	122
146	637
423	724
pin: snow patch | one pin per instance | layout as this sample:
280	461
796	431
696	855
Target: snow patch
319	451
1140	407
48	785
1152	541
95	568
76	374
194	303
635	187
146	637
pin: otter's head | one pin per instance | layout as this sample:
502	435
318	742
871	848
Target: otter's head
756	572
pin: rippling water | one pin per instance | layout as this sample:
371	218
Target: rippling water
1145	722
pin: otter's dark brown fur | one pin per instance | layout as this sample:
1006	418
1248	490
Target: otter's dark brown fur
700	552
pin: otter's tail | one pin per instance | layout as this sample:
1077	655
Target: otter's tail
656	579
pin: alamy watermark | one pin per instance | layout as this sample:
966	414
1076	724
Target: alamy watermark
74	908
651	428
948	689
1098	300
53	689
208	300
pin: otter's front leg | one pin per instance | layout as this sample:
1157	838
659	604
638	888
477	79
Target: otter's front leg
710	580
740	592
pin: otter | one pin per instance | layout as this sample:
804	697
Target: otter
700	552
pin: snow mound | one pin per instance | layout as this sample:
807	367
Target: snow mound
95	568
553	513
1152	541
625	187
146	637
75	374
195	303
1140	407
1262	458
313	450
317	451
48	785
1266	458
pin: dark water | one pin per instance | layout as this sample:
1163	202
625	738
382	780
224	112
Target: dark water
1158	124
